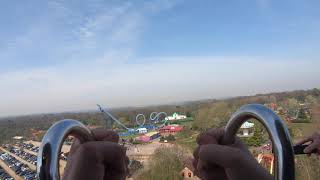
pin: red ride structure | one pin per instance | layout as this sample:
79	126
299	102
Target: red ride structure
267	160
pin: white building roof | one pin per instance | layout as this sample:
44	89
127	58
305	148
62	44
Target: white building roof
247	125
142	129
17	137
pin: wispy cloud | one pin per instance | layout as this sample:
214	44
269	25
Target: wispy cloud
79	56
70	32
73	53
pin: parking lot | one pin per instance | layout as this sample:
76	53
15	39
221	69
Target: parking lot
4	175
18	161
28	146
32	159
20	169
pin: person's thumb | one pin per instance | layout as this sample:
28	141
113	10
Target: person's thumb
311	147
224	156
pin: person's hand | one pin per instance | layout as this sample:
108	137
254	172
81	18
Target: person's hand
225	162
314	143
101	159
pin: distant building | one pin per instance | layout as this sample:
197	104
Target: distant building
142	130
273	106
171	129
18	137
153	135
148	137
149	126
186	173
246	129
176	116
143	138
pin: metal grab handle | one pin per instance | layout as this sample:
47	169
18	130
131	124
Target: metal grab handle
49	151
282	146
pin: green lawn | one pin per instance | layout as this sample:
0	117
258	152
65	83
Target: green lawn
187	139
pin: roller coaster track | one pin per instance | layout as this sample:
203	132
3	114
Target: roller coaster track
107	117
154	118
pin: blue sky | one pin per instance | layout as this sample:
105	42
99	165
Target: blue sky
69	55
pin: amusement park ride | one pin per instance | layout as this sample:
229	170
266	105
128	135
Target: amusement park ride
282	148
155	121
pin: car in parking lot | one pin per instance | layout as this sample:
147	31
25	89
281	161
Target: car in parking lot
19	168
24	155
4	175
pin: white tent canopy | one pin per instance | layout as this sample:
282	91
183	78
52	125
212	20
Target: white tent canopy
247	125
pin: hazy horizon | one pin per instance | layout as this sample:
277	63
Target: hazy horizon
95	108
59	56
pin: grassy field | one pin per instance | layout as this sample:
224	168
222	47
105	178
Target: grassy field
166	164
307	168
301	130
187	139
